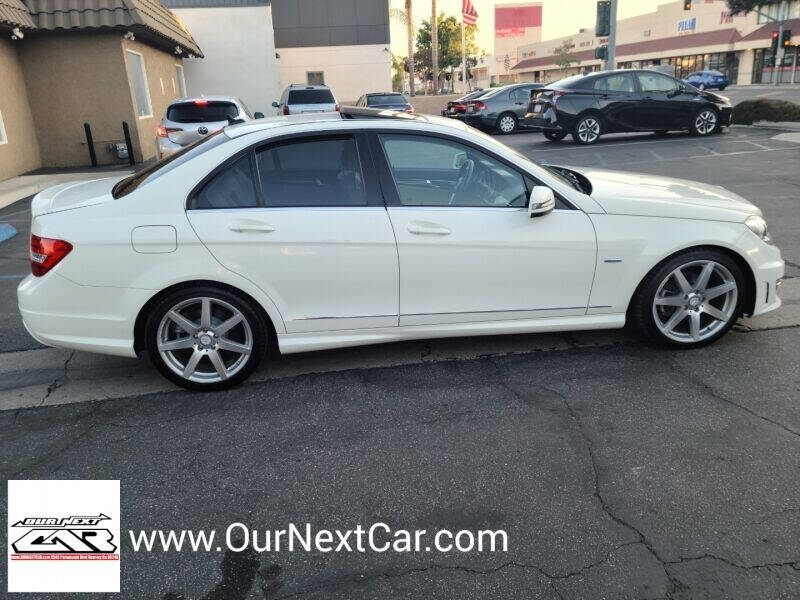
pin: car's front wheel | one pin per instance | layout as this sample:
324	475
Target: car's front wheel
555	136
205	338
705	122
690	300
587	130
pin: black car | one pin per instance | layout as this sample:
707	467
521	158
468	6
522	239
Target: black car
588	106
386	101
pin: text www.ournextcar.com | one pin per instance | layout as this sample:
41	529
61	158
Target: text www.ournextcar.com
378	537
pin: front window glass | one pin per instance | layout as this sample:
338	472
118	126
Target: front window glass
321	172
436	172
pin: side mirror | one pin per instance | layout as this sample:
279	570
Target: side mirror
541	202
258	115
276	105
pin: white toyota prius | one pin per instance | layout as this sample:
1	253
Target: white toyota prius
333	230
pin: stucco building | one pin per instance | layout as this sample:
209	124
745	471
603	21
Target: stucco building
65	63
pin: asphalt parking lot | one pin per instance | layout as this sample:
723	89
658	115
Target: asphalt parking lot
618	470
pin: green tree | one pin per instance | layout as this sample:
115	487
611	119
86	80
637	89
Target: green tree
564	56
398	72
745	6
449	33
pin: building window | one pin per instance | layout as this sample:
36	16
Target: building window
315	78
141	91
3	136
181	80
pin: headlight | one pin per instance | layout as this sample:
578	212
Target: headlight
758	226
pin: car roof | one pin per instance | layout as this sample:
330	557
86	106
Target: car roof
346	118
233	99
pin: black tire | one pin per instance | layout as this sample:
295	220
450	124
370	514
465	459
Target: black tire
704	122
555	136
506	123
587	130
642	311
722	87
252	331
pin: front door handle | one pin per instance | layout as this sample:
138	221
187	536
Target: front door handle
247	225
422	228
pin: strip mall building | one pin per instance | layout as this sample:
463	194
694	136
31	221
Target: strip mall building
705	37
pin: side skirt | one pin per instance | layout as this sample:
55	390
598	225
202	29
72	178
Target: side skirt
290	343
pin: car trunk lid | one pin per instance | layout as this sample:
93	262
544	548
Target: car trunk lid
74	194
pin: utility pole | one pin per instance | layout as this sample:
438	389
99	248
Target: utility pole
434	48
611	58
783	11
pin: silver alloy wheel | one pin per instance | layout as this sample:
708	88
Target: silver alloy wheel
507	124
205	340
695	301
705	122
588	130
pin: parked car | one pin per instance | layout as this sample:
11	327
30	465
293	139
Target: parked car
341	230
385	101
298	99
190	119
501	109
704	80
459	105
589	106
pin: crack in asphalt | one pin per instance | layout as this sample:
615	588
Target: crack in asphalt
794	564
58	381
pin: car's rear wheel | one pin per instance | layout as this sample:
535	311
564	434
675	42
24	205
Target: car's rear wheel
205	338
506	123
555	136
705	121
587	130
690	300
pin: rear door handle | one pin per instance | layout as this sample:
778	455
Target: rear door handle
246	225
419	228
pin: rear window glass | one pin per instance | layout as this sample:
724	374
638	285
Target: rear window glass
385	99
311	97
202	112
165	165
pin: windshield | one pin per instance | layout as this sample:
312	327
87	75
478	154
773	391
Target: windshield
165	165
311	97
201	111
385	99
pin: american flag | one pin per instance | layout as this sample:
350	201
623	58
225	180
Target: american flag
469	13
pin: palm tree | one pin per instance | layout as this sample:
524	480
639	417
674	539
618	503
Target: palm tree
406	18
434	48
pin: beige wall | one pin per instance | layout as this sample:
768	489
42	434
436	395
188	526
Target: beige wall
73	79
161	80
21	152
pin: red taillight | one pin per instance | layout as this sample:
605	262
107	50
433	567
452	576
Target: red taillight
556	96
478	105
338	108
408	109
46	253
458	107
201	102
163	132
285	110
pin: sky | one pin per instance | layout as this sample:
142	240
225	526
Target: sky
559	17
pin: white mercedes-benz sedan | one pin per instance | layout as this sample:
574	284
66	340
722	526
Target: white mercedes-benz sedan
333	230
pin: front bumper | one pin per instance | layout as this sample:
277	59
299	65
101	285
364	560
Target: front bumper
768	270
726	116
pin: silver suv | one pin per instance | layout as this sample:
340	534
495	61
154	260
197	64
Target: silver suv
297	99
190	119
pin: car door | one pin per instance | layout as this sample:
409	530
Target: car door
304	219
661	106
619	101
519	101
468	249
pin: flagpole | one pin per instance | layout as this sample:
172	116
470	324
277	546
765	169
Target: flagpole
463	53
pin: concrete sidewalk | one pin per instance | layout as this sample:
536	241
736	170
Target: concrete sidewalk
17	188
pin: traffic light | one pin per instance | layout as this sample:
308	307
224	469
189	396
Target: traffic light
774	45
601	52
603	26
687	4
786	38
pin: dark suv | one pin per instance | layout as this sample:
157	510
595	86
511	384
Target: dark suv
588	106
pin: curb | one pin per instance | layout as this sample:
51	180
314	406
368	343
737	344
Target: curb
780	125
6	232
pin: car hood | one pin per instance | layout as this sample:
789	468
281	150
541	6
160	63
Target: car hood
74	194
625	193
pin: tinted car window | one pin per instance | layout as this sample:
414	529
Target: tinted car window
232	187
620	82
655	82
436	172
385	99
200	112
321	172
311	97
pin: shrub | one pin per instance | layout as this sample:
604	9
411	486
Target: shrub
765	109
